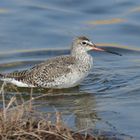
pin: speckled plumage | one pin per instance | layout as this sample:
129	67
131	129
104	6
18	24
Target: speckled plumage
59	72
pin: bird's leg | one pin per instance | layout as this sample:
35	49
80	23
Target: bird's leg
31	98
19	93
3	100
50	90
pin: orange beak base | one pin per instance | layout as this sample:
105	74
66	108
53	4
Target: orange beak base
100	49
97	49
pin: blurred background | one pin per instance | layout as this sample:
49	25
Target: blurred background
33	24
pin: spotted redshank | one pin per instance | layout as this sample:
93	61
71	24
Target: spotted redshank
59	72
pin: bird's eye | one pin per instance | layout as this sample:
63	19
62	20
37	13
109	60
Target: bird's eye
84	43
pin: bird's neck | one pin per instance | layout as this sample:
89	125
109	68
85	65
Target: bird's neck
83	58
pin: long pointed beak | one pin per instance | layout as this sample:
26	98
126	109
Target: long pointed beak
94	47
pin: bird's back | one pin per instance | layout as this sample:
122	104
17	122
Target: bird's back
43	74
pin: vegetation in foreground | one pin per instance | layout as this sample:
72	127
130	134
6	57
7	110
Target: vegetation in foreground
20	121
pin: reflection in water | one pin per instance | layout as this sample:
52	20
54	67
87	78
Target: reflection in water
77	107
86	115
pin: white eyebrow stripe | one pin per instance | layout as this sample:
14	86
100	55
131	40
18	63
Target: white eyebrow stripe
86	41
90	43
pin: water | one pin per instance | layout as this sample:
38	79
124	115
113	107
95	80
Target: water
109	98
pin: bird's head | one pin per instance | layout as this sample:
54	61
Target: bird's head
83	44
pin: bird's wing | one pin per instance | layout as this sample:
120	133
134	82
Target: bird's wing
46	71
16	74
52	68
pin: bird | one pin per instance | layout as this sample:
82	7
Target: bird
59	72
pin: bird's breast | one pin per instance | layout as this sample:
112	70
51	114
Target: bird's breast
85	64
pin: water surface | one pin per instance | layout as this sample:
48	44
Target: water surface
109	98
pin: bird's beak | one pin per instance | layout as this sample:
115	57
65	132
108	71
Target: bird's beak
94	47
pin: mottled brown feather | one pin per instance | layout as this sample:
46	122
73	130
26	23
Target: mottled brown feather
44	72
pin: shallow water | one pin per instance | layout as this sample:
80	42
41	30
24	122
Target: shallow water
109	98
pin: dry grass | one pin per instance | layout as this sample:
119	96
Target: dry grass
19	120
22	122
